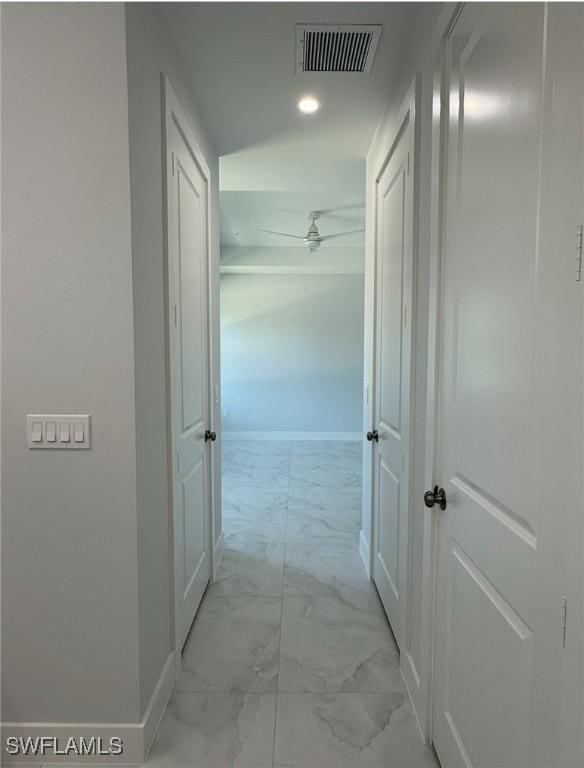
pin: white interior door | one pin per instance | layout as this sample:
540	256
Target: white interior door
510	384
393	335
189	345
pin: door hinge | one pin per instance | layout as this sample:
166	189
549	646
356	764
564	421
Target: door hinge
175	315
172	162
564	619
579	238
177	461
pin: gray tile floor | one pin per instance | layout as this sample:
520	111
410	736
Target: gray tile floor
290	662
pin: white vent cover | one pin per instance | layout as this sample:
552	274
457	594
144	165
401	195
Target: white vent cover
336	48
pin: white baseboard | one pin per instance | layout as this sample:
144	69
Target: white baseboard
158	701
229	436
136	737
365	552
218	551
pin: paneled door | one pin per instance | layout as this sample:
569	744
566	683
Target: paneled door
188	259
393	343
510	399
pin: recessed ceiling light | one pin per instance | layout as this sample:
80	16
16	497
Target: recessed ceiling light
308	105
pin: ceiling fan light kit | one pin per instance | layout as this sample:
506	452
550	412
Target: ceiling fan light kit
313	239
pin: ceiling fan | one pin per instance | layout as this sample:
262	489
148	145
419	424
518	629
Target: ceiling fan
312	238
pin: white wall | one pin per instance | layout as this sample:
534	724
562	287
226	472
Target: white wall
292	344
150	52
85	535
69	560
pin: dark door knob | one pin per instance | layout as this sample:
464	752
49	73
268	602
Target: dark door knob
371	436
212	436
437	496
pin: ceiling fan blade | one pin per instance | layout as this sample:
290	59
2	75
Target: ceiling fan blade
341	234
282	234
350	207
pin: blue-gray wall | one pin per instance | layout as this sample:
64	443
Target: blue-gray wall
292	352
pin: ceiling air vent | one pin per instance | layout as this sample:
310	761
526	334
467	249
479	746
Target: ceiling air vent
336	48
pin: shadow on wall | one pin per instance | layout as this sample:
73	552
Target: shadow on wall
292	352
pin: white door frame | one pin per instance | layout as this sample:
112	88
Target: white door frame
433	374
420	682
172	107
408	114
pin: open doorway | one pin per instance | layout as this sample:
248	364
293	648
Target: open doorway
292	370
292	373
291	610
292	624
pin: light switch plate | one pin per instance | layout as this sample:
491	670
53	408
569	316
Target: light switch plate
71	425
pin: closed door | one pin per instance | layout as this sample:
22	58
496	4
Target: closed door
189	333
394	225
509	447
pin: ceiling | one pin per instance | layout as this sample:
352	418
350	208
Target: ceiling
240	58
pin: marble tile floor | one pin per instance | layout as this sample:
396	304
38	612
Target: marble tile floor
290	662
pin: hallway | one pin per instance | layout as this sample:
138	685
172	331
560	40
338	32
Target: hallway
290	661
339	246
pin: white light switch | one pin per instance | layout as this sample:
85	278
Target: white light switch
36	434
51	431
58	431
